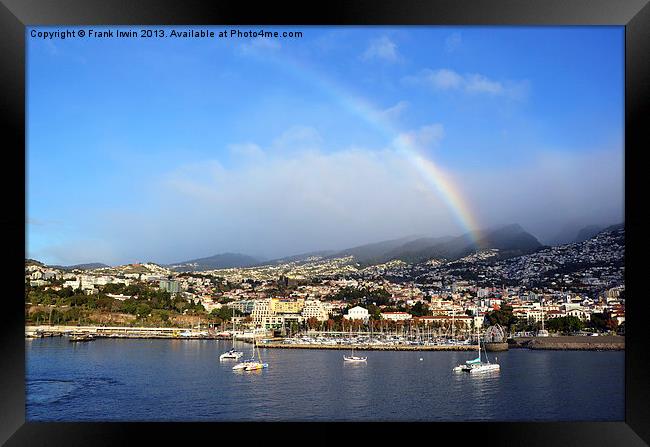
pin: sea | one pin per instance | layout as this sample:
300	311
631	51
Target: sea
184	380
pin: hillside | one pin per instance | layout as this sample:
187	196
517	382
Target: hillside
219	261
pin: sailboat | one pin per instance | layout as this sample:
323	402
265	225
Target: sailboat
232	354
542	332
477	365
251	364
353	358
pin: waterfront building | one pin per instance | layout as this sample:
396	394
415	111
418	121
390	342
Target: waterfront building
581	313
396	316
315	309
274	313
462	321
243	306
357	313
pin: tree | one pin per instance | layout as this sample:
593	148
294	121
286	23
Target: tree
566	325
503	317
419	309
142	310
313	323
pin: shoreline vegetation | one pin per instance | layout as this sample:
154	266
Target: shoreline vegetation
567	342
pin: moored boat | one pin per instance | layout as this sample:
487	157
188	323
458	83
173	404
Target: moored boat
231	355
82	337
477	365
354	358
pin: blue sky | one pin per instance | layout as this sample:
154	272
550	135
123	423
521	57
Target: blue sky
169	149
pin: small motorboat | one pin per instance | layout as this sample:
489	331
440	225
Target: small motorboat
231	355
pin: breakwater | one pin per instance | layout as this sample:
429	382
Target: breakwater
571	343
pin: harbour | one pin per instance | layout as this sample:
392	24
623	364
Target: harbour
184	380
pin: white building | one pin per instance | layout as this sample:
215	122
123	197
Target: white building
119	297
396	316
583	314
315	309
264	315
357	313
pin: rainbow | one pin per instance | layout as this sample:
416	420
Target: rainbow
437	179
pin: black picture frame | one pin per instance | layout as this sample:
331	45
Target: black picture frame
15	15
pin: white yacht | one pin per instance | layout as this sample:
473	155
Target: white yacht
354	358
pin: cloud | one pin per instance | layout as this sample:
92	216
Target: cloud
583	188
453	42
426	137
298	138
290	202
395	111
307	197
382	48
472	83
246	150
481	84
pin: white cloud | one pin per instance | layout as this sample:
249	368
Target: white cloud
246	150
289	202
479	83
298	138
309	198
473	83
583	187
426	137
382	48
395	111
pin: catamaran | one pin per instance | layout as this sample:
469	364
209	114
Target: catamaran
251	364
477	365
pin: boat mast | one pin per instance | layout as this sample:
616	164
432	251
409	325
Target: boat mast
478	336
453	314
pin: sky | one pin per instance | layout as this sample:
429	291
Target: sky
168	149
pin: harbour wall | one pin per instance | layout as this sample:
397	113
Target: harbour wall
567	343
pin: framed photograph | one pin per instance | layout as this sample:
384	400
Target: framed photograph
414	217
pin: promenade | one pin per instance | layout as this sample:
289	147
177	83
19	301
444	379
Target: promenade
116	332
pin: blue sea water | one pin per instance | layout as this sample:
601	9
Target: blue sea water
183	380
